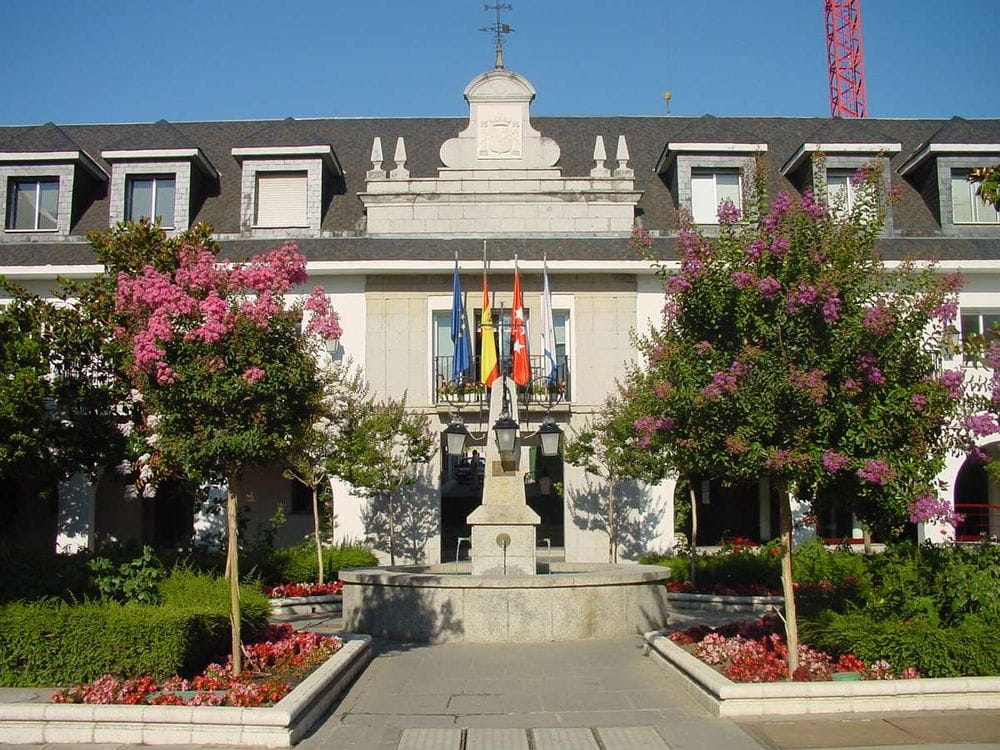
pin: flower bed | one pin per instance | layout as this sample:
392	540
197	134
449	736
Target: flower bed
282	658
755	651
290	590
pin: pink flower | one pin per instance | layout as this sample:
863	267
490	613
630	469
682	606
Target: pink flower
878	319
951	380
768	287
755	250
164	375
815	209
325	322
831	309
742	279
728	213
703	346
876	471
918	402
834	462
676	284
801	295
780	246
851	387
928	508
982	424
252	374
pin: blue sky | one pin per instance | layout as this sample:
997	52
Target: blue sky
79	61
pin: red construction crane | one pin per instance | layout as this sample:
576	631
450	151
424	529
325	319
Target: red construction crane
845	58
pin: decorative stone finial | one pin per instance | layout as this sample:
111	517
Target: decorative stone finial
400	172
376	172
600	156
621	156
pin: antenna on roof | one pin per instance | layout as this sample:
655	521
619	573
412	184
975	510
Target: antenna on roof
499	29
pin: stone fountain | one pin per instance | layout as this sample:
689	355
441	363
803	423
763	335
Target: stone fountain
505	598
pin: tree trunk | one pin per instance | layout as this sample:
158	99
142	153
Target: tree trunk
787	582
866	537
319	542
612	523
694	532
392	529
233	568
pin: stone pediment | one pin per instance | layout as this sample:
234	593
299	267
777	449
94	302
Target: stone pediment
499	134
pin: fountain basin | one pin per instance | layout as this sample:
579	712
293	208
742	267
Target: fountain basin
568	601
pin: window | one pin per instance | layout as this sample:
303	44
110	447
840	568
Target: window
709	189
281	199
301	498
151	198
840	191
985	324
966	206
33	204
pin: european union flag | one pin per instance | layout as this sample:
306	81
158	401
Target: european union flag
462	361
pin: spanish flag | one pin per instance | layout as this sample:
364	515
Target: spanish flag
488	368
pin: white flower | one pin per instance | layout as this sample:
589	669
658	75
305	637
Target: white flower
125	428
135	395
144	458
153	420
146	473
153	439
131	493
149	491
124	468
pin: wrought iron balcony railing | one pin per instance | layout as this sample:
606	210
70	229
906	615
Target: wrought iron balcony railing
468	390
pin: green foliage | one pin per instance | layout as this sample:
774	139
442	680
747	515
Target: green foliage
48	643
133	581
968	648
988	179
817	563
350	555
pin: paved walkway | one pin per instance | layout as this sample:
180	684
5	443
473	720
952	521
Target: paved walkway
581	695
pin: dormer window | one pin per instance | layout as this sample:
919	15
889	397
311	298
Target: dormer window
966	206
702	176
33	204
151	198
710	188
164	184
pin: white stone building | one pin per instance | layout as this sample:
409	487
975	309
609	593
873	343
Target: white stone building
382	234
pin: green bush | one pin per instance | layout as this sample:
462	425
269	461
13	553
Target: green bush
50	642
349	555
134	580
815	563
969	648
33	574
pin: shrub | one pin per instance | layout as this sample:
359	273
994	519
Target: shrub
132	581
349	555
33	574
51	642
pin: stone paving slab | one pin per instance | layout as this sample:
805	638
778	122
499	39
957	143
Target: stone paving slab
431	739
496	739
565	739
631	738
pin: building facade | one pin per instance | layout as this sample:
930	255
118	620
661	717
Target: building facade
382	208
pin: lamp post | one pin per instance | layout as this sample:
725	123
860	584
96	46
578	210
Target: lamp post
456	435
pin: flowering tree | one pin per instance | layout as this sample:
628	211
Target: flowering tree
787	351
221	370
316	459
380	453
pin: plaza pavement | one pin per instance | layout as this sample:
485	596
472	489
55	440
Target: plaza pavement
579	695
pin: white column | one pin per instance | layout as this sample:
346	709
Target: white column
800	531
77	513
764	508
210	518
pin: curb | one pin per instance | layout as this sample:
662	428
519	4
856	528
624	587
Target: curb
723	697
723	602
281	725
306	605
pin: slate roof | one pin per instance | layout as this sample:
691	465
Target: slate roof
351	140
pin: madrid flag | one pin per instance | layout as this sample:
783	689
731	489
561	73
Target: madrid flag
518	334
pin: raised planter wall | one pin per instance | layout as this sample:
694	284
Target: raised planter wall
724	697
281	725
723	603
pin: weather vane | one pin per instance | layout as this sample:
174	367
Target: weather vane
499	29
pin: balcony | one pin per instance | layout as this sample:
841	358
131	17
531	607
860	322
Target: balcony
472	393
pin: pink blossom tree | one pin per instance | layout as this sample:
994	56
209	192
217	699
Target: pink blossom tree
223	372
788	351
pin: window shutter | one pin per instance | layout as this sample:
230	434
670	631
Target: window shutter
704	209
281	199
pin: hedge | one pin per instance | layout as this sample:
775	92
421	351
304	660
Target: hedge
51	643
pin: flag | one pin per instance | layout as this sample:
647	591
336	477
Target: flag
488	368
549	366
462	360
518	334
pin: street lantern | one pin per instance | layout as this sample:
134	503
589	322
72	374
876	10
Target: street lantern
456	434
549	435
506	430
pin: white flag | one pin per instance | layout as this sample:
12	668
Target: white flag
549	366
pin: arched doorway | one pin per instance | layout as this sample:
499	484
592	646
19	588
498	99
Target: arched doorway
977	498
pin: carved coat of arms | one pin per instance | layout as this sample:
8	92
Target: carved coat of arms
500	138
